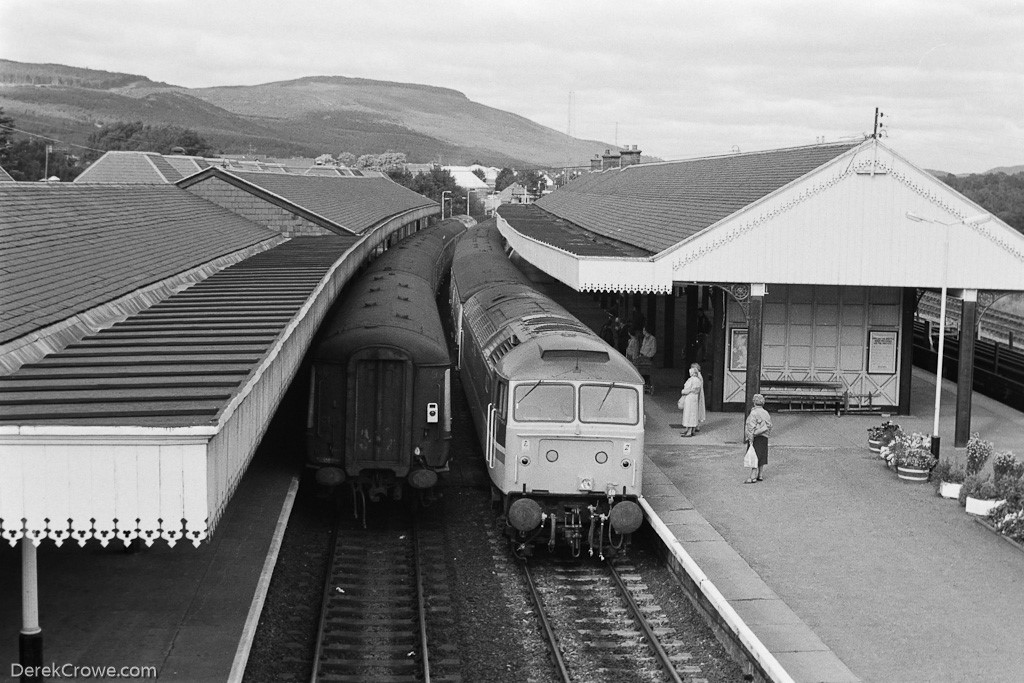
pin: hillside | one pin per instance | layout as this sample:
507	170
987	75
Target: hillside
303	117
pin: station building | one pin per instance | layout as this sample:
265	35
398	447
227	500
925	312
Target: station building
801	267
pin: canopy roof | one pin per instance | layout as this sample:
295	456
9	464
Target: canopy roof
857	215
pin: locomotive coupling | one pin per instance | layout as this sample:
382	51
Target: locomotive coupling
330	476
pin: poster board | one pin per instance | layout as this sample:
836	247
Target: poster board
882	351
738	349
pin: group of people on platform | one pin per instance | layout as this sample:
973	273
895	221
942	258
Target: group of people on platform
637	344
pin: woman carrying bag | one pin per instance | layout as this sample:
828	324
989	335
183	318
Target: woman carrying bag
688	403
756	431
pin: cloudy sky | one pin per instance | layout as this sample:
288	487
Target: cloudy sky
678	79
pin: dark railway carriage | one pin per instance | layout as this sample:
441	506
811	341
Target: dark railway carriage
379	413
559	413
488	266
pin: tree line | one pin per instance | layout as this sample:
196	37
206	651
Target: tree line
998	193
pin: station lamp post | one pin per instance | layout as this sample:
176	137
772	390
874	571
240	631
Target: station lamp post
442	202
974	220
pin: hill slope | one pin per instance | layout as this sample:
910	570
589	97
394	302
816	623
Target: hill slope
303	117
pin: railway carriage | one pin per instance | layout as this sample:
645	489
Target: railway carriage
559	413
379	408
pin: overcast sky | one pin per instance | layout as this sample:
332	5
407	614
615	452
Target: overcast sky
678	79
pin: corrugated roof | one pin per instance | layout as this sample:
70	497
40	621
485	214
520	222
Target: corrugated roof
181	361
66	248
5	176
352	203
656	206
537	224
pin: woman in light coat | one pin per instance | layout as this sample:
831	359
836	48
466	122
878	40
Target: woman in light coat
702	411
756	430
690	400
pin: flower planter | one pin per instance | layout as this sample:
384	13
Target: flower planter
875	445
981	506
948	490
915	474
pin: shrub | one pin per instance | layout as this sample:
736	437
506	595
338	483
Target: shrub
949	472
987	491
886	430
978	453
971	484
1011	490
1005	465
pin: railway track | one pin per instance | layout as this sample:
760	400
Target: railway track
601	625
384	596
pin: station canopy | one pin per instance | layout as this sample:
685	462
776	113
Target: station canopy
854	214
147	336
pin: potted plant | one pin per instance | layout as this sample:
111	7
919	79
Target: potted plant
881	435
1005	465
972	482
978	453
948	477
912	456
982	499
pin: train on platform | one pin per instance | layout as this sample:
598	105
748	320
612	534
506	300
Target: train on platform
379	415
558	412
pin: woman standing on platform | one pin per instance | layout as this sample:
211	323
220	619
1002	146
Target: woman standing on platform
689	403
702	410
756	430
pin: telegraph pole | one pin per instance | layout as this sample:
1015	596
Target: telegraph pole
878	124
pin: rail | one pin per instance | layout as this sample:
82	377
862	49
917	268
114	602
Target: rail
634	623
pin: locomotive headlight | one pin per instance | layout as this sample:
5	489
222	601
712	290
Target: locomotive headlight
524	461
416	451
551	456
627	463
601	457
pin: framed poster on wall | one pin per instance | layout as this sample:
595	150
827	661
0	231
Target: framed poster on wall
738	349
882	348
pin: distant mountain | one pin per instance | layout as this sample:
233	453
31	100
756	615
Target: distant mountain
303	117
1008	170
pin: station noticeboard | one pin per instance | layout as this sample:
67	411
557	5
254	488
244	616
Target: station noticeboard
882	352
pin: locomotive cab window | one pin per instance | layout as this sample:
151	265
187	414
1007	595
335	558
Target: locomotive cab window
541	402
502	401
609	404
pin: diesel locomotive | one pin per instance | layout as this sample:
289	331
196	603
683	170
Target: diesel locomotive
558	412
379	407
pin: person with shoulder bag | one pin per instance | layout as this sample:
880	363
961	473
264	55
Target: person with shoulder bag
756	430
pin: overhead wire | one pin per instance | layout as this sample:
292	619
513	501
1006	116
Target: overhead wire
44	137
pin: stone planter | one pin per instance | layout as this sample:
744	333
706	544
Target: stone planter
915	474
981	506
948	490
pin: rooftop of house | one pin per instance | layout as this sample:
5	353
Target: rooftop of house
349	203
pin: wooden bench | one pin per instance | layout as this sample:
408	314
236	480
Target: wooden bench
804	396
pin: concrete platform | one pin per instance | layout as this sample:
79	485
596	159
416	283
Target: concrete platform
182	610
842	570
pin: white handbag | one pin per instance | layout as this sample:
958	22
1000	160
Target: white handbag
750	459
